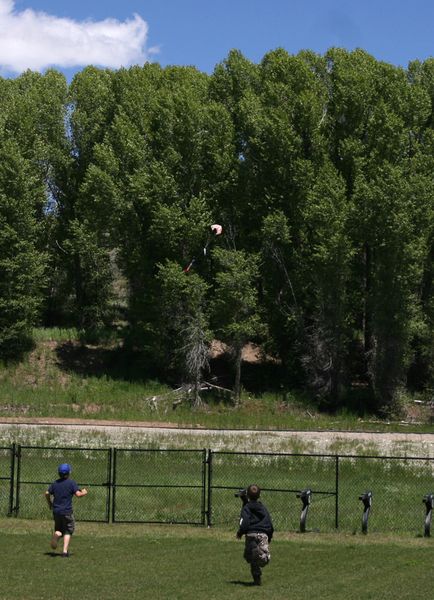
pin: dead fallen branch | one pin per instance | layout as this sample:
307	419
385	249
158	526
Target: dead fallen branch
184	393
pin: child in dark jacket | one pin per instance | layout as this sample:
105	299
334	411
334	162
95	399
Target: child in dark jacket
256	525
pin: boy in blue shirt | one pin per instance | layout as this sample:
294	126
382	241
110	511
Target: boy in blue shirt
59	498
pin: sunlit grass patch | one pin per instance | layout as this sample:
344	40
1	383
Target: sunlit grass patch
109	562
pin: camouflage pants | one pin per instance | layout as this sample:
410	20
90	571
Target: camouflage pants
256	551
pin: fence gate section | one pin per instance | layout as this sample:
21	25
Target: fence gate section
159	486
37	468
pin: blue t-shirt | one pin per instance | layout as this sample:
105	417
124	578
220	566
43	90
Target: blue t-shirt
63	491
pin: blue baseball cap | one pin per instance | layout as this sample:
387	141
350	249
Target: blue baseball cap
64	469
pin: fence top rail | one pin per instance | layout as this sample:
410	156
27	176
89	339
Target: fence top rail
67	448
313	454
281	490
195	450
363	456
273	454
103	484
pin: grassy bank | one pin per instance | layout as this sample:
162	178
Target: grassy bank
63	378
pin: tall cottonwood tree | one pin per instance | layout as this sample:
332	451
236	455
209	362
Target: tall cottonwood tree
327	263
84	216
22	259
163	165
32	144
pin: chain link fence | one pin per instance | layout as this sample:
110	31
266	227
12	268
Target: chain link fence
281	477
159	486
198	487
37	468
336	482
398	486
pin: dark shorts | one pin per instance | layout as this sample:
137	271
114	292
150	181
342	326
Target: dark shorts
64	524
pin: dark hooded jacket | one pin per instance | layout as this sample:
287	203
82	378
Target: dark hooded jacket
255	518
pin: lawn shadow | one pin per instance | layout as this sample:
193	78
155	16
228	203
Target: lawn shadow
243	583
52	554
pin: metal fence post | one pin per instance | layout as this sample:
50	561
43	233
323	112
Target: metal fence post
109	484
12	479
337	492
209	509
114	486
204	480
16	507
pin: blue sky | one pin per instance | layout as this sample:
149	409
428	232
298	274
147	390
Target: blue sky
68	34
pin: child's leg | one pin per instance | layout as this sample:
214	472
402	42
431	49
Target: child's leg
55	538
66	540
69	530
255	570
251	555
58	531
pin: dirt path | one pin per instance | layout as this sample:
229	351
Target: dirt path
84	422
158	425
141	433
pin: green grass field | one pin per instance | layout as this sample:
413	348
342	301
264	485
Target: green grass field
170	562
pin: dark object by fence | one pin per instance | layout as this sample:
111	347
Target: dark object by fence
366	498
242	494
428	501
306	498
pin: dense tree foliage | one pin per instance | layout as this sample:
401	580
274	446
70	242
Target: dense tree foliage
32	151
320	170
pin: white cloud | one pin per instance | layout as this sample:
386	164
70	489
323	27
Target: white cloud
36	40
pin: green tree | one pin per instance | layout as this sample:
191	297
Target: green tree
183	327
84	216
163	165
32	145
377	116
235	304
396	207
327	265
22	261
